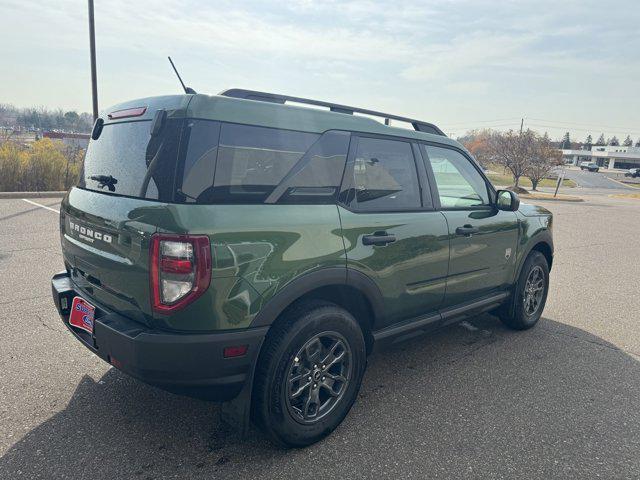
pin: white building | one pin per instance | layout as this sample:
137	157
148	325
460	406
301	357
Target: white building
608	156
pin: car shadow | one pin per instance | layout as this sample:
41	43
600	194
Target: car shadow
552	400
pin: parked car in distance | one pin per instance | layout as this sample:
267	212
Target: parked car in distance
237	248
592	167
633	173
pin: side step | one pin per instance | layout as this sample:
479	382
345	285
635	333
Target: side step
416	326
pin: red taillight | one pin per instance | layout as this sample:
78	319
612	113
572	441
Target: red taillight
129	112
174	265
179	269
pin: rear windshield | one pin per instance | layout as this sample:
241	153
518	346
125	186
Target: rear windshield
209	162
127	160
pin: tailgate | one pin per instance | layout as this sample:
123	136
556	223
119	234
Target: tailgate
105	243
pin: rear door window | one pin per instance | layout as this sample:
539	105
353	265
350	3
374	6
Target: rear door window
127	160
385	176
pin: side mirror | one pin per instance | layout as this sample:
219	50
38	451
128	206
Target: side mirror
507	200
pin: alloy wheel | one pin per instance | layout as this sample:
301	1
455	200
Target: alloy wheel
533	290
318	377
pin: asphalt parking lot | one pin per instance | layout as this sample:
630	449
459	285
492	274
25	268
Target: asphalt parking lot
594	180
472	401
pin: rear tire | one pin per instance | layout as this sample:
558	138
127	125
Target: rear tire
308	373
530	294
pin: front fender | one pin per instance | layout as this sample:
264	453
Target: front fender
535	234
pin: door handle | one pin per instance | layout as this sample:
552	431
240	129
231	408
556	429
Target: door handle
378	238
467	230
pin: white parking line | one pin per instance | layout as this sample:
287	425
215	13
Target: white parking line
41	206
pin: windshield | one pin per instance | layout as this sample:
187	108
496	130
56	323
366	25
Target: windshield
127	160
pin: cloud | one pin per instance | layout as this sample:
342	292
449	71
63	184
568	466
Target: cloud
407	56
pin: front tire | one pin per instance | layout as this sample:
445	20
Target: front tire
530	294
308	374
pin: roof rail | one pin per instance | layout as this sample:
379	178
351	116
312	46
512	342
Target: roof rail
418	125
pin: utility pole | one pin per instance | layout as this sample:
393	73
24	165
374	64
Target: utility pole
521	125
92	48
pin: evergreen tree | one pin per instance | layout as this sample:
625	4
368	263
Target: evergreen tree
627	141
600	141
566	142
588	143
614	142
638	142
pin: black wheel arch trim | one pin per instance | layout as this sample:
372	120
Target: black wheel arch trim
325	277
544	237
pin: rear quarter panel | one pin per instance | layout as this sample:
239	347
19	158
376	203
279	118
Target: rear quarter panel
256	251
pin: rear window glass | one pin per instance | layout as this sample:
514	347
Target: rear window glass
230	163
126	160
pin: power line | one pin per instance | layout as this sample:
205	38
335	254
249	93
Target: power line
514	125
557	127
540	123
592	125
481	121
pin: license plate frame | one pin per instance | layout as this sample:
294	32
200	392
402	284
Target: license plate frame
82	315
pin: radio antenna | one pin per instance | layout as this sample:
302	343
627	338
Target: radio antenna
188	90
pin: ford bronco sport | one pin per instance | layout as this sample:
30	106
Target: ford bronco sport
238	246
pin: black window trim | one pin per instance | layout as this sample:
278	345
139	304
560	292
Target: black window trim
491	191
346	197
185	138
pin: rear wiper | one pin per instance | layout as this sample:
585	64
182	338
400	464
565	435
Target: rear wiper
105	181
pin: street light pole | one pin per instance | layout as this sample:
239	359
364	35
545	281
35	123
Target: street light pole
92	48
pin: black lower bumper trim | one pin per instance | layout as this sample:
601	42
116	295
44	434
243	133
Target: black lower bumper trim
190	364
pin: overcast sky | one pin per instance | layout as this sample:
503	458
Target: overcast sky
563	65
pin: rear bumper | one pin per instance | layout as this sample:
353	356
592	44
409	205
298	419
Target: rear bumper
185	363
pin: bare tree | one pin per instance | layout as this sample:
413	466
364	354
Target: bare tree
545	157
513	151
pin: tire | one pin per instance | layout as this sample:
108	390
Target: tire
303	337
523	312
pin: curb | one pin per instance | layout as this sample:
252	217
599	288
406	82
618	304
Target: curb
553	199
32	194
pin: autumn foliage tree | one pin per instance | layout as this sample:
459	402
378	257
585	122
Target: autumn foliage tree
478	142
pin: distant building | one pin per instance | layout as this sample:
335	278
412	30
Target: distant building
72	139
608	156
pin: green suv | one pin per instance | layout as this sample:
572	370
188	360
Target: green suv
240	248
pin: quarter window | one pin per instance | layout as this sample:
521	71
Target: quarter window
253	160
460	185
231	163
385	176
